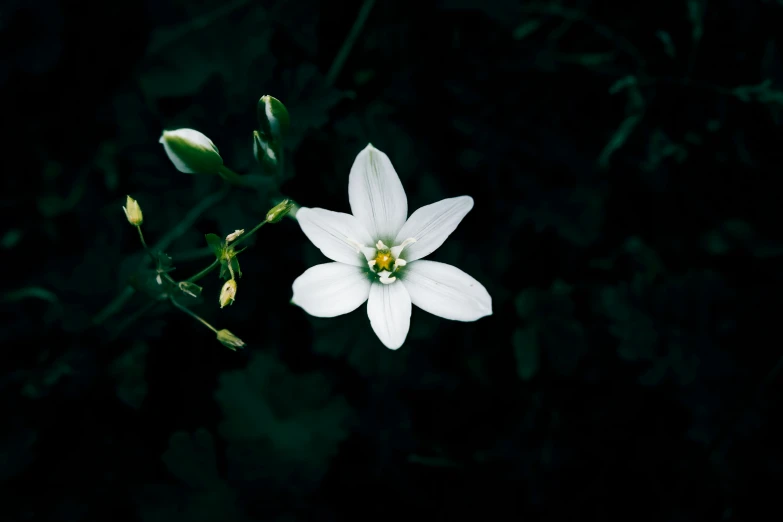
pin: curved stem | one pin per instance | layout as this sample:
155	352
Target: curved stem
193	315
231	176
204	272
245	236
144	244
350	40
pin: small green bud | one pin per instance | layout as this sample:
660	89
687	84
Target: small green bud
266	152
228	293
133	212
272	118
278	211
191	152
230	340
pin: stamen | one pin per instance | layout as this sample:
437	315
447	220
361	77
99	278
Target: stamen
371	262
398	263
368	252
398	249
357	246
380	246
385	279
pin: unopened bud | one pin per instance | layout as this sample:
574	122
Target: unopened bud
272	118
228	293
267	153
233	235
191	152
133	212
278	211
230	340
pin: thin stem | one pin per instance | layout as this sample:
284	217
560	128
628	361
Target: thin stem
115	305
231	176
204	272
144	244
163	244
135	316
350	40
193	315
245	236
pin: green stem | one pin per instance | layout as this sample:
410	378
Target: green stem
350	40
135	316
204	272
216	262
115	305
193	315
144	244
231	176
245	236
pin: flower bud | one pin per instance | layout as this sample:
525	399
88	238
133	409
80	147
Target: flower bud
272	118
133	212
230	340
266	152
233	235
191	152
278	211
228	293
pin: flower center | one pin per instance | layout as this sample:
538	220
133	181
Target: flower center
387	260
383	260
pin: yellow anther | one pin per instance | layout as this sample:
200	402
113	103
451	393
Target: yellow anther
383	260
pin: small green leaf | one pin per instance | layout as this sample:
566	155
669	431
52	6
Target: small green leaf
215	243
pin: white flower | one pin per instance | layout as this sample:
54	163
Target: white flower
378	256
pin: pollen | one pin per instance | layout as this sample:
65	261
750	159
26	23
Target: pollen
383	260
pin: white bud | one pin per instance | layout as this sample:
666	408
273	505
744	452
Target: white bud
191	152
233	235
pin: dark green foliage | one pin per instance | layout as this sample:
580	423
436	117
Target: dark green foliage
623	164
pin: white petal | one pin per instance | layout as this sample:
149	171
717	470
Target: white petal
337	235
389	310
376	194
446	291
331	289
431	225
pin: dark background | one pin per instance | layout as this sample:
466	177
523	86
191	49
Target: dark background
623	159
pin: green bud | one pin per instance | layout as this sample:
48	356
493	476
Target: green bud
230	340
272	118
133	212
278	211
266	152
191	152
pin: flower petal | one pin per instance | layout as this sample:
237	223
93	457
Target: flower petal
339	236
376	194
446	291
431	225
389	310
331	289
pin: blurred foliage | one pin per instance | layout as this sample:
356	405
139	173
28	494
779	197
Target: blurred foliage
622	161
